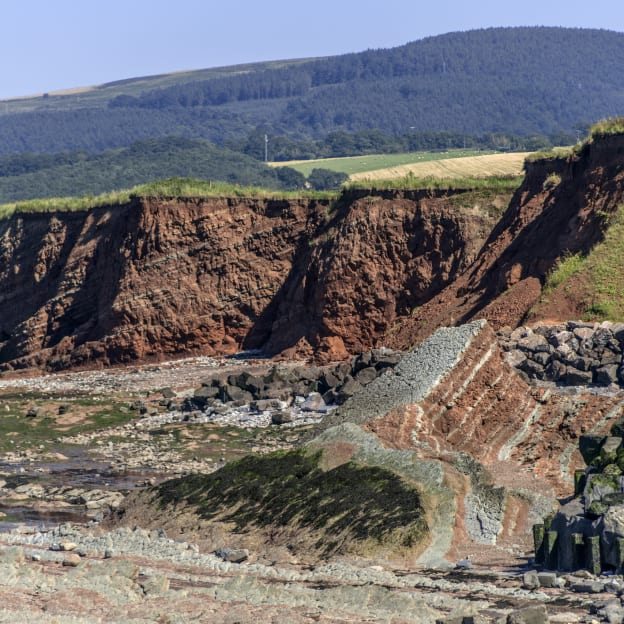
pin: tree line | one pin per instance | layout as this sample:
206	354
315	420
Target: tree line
30	176
519	81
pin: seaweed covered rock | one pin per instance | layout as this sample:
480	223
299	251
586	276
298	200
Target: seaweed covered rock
287	499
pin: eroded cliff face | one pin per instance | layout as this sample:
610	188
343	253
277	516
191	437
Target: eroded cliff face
376	259
559	209
158	278
147	279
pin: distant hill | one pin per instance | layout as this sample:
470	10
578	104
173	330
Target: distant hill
532	80
30	176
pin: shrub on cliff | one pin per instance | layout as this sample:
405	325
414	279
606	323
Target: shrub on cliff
326	179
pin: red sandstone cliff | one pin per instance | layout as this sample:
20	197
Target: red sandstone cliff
148	278
380	256
157	278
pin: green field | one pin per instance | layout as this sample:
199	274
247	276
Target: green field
372	162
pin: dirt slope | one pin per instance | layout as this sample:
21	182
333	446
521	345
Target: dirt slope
559	209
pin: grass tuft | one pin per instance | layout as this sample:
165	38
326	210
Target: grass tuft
607	127
567	266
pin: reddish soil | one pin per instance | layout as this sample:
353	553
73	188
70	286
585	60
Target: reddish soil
542	223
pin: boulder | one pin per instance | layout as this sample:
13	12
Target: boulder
589	446
606	375
233	555
235	393
534	344
588	587
535	614
281	418
328	381
547	579
314	403
280	374
611	525
251	383
556	370
530	580
366	375
364	360
532	369
71	560
610	358
384	358
541	357
206	392
347	390
265	405
576	377
559	337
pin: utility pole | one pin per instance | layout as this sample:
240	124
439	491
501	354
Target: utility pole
266	148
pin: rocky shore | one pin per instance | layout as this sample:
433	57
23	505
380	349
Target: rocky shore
76	574
194	416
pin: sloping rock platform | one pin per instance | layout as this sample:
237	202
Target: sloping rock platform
487	453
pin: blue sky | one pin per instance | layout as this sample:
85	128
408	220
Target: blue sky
46	45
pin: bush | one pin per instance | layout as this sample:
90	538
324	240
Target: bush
326	179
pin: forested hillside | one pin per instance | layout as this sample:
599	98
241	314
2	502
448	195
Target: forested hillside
524	81
29	176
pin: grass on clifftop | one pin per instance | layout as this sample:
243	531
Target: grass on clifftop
602	128
601	274
606	127
347	508
188	187
172	187
410	182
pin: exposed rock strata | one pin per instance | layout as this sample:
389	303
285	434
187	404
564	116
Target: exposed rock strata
382	254
501	447
144	279
164	277
489	452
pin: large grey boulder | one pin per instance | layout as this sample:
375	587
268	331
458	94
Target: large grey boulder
606	375
535	614
611	527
